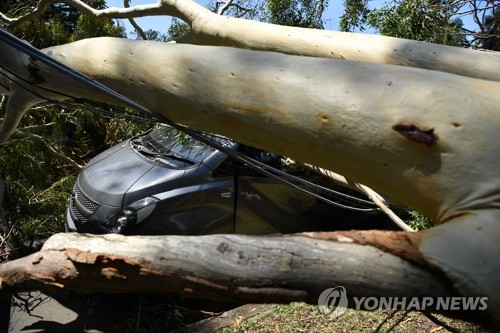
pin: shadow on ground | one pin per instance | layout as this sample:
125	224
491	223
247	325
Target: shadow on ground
64	312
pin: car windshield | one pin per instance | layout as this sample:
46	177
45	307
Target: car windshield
174	148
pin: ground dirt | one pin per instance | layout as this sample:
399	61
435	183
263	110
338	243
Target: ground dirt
63	312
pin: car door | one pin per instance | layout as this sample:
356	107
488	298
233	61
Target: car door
266	205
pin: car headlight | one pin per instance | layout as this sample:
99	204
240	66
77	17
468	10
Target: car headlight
134	213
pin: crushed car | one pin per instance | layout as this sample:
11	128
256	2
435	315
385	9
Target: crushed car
164	182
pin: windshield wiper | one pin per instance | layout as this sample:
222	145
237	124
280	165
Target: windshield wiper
145	146
171	156
175	157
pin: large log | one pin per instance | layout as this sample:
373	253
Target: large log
269	269
281	268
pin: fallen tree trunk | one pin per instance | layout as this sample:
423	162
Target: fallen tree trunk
268	269
229	267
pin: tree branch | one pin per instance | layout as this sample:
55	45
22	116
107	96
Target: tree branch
126	4
475	15
185	11
266	269
375	197
341	180
226	6
337	178
211	29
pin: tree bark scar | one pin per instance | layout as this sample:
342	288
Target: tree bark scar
399	243
415	133
33	72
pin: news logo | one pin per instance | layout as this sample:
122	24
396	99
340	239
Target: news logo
333	301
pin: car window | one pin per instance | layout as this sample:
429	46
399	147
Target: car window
259	155
226	169
179	149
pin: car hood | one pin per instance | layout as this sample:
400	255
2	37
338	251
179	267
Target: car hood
108	177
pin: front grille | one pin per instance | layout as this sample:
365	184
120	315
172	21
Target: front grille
83	200
78	216
81	206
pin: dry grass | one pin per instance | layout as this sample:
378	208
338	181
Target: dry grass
300	317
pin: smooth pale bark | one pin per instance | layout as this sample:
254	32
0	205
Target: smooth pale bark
211	29
226	31
428	138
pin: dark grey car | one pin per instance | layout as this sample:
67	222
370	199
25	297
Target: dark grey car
163	182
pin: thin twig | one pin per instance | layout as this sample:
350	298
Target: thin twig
4	239
126	4
55	152
45	125
386	210
374	196
476	10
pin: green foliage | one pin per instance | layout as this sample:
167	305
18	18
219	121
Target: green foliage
150	35
436	21
35	192
87	27
40	164
297	13
419	221
490	40
41	160
60	24
118	130
177	29
355	15
424	20
42	212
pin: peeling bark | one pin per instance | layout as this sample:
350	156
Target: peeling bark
258	269
271	269
401	244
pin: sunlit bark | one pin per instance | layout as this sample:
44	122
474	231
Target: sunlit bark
208	28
